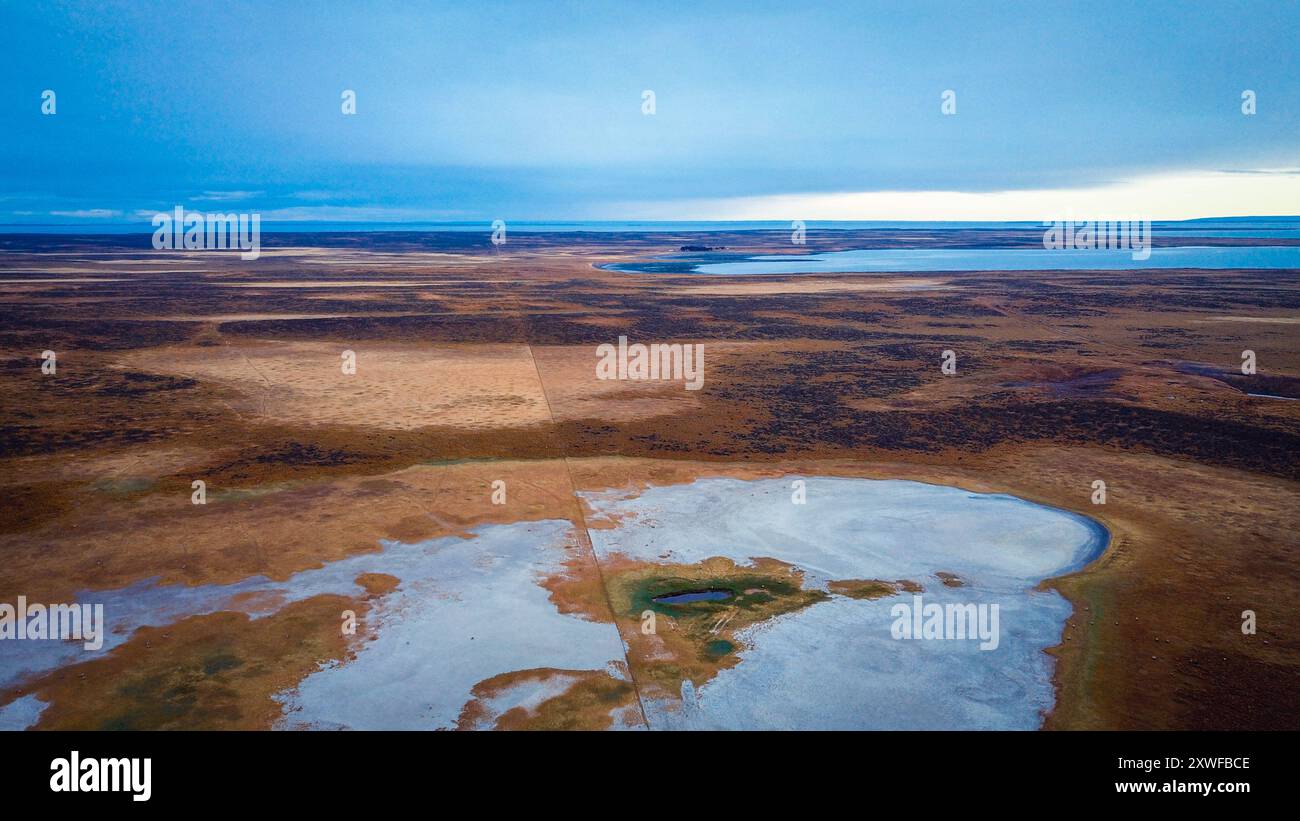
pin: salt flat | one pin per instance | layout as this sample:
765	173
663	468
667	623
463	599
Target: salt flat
835	664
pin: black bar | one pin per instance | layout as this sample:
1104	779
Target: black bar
378	770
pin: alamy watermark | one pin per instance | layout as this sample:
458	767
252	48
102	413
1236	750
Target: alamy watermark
77	774
1131	235
60	622
656	361
951	621
184	230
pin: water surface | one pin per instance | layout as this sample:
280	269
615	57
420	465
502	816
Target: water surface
890	260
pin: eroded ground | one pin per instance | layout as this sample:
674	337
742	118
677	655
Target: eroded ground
476	365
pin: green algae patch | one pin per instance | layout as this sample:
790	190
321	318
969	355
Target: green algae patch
749	592
745	596
684	619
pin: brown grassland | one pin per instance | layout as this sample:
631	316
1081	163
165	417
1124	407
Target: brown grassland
476	363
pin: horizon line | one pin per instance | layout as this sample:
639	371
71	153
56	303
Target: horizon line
146	226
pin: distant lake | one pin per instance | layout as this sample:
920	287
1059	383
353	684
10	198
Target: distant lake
1240	227
969	259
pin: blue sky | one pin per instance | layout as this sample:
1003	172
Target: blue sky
533	110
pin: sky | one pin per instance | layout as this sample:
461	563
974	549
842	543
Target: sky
535	111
